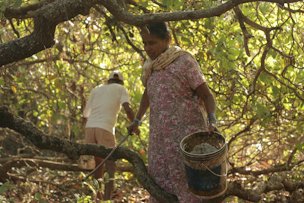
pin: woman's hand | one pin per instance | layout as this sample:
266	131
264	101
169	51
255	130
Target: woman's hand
212	128
144	104
133	128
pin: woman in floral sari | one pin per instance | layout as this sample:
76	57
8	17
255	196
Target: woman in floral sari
175	90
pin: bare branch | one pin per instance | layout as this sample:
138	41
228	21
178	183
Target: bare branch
23	12
246	34
138	20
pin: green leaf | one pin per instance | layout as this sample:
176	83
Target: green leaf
300	147
275	91
261	110
17	3
38	196
173	4
6	186
1	82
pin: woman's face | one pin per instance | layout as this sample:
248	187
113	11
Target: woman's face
154	45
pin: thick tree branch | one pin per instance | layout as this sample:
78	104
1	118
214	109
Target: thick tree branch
23	12
137	20
48	16
41	38
74	150
277	168
15	161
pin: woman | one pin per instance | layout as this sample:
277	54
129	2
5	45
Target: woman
174	90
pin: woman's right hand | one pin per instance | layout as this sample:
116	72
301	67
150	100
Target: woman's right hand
133	128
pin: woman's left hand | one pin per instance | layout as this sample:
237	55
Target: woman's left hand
212	128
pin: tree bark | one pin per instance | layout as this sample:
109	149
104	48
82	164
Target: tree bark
47	16
9	162
74	150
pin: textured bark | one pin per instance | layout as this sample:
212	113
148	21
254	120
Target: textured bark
9	162
46	18
74	150
48	14
40	39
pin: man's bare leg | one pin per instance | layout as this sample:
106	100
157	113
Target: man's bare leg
109	186
99	174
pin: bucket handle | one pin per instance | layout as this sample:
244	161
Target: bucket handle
224	175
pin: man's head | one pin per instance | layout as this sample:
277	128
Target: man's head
115	77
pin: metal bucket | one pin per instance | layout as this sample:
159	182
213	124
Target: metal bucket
206	172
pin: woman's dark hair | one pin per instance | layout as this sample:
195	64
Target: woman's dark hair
159	29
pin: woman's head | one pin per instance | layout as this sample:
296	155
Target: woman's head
156	38
159	30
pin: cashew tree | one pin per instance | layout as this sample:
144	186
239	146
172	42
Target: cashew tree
53	52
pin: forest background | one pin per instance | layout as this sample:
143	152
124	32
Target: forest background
53	52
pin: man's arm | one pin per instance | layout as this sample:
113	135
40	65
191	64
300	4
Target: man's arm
129	111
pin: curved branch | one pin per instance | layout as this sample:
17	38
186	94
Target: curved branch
50	15
246	34
22	13
291	10
15	161
41	38
46	19
74	150
137	20
246	129
276	168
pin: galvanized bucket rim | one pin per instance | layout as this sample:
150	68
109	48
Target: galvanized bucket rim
207	154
